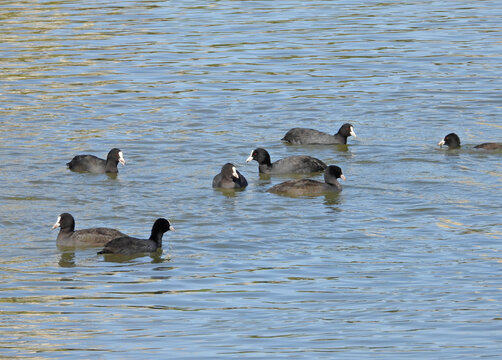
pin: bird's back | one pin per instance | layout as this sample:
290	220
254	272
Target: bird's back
219	181
88	237
489	146
303	187
127	245
88	163
298	164
309	136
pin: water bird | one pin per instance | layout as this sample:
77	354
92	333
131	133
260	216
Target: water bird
68	237
298	164
453	142
311	136
309	187
127	245
93	164
229	178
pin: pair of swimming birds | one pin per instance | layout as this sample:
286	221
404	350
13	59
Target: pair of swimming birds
112	240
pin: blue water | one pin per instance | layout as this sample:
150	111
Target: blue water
404	263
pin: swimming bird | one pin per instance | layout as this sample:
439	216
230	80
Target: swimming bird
68	237
311	136
93	164
298	164
453	142
229	178
127	245
489	146
309	187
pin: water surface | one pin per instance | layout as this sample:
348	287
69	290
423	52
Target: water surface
404	263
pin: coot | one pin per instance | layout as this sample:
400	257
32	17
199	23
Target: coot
68	237
127	245
93	164
311	136
309	187
229	178
489	146
453	142
298	164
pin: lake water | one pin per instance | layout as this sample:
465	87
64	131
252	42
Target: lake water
404	263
